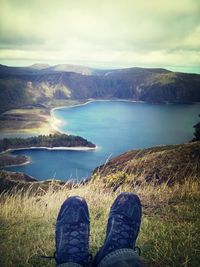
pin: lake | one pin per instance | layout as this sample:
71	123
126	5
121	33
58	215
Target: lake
115	127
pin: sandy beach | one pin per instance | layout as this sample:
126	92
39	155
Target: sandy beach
76	148
34	120
26	121
55	123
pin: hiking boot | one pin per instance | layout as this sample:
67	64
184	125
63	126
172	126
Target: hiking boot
72	232
123	225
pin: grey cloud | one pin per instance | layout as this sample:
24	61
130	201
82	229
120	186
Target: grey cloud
101	31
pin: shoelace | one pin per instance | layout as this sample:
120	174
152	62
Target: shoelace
74	240
71	232
123	234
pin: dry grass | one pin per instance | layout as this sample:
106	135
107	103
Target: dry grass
169	233
171	163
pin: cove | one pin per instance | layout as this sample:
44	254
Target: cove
115	127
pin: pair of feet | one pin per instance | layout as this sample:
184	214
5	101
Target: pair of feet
73	226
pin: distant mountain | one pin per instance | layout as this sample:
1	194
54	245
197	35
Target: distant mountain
39	66
63	68
72	68
40	83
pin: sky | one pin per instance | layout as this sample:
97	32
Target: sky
101	33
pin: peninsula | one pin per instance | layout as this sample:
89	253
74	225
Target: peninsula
52	141
45	141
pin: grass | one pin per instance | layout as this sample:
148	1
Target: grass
169	235
170	163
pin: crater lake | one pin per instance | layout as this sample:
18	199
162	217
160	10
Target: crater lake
115	127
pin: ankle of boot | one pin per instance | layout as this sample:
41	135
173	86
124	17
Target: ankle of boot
69	264
121	257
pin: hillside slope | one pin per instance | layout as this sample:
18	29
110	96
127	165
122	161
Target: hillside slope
37	84
160	164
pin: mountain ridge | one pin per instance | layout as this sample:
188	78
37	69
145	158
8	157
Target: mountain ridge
27	85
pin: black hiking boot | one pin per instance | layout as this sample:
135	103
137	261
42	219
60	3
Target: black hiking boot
72	232
123	225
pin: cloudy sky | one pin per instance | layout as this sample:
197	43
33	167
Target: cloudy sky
101	33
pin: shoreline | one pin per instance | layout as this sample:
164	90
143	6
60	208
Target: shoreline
16	165
28	161
55	122
96	100
74	148
48	123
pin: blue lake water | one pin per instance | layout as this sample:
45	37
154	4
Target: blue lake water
115	127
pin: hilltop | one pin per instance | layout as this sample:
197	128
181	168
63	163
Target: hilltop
38	84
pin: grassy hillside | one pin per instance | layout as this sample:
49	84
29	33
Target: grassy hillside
169	164
169	233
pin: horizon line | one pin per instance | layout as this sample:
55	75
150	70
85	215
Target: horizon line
168	68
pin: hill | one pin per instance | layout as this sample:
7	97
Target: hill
21	86
162	164
20	182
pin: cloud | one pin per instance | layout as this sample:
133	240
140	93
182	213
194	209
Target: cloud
103	33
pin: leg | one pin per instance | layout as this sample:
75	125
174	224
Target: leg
72	233
122	231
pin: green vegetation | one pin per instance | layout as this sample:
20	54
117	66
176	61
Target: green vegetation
13	182
22	86
169	233
197	132
169	164
14	93
165	78
52	140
